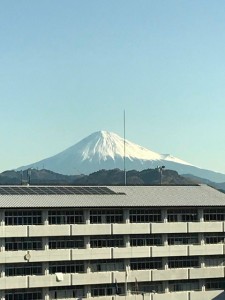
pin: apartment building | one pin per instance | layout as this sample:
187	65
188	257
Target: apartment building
116	242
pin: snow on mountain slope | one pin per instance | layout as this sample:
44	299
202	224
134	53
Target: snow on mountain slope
104	144
169	157
105	150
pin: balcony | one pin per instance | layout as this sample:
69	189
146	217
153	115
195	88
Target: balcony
129	252
205	227
171	274
35	255
49	280
171	296
17	282
49	230
12	231
91	253
209	272
91	229
142	275
131	228
209	249
90	278
50	255
178	227
12	256
207	295
173	250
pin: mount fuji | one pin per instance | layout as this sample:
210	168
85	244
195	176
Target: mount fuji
105	150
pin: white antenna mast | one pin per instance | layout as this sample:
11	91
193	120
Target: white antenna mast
124	146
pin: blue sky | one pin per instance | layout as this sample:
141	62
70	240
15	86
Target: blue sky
70	68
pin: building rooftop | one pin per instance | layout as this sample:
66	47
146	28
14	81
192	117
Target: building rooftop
110	196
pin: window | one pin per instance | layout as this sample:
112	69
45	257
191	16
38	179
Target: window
145	240
148	287
18	243
214	238
107	265
145	215
66	242
106	290
183	285
106	216
145	263
23	217
66	267
215	284
23	294
214	214
23	269
65	217
182	239
214	261
183	262
64	292
106	241
182	215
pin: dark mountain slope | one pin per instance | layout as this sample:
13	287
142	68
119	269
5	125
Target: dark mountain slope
102	177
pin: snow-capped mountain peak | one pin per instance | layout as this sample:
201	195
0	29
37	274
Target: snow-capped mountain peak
101	144
104	144
105	150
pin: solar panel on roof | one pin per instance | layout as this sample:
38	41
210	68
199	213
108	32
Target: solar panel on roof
55	190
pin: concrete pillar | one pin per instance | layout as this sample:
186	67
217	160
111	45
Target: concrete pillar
87	267
45	217
45	268
165	239
201	262
164	215
200	215
45	243
126	216
2	244
165	286
2	217
45	294
202	284
87	291
164	263
201	239
87	216
127	265
2	270
87	243
2	295
126	275
127	240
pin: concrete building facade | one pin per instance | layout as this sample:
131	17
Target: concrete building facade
134	243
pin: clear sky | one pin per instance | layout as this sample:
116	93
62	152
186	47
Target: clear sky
70	68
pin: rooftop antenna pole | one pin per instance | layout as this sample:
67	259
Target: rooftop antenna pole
21	174
124	146
29	176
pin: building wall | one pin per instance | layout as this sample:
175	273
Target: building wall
144	253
